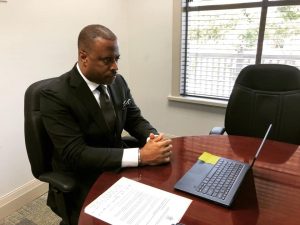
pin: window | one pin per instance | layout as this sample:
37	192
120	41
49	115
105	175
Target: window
219	38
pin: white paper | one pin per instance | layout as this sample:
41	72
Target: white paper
133	203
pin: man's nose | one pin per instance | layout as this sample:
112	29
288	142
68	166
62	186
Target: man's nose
114	65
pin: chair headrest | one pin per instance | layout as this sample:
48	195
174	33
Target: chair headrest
270	77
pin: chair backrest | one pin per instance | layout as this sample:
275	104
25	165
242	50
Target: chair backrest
38	143
264	94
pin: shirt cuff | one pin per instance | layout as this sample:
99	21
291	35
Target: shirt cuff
130	157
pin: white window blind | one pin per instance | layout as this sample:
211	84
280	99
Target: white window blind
219	39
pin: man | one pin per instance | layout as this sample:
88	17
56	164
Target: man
85	111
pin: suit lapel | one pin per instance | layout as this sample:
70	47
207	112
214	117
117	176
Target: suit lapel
84	94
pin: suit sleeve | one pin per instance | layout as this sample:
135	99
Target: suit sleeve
68	138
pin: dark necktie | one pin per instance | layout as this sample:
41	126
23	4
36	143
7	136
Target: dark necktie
107	107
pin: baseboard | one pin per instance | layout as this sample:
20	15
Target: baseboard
14	200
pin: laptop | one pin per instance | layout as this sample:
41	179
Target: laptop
217	182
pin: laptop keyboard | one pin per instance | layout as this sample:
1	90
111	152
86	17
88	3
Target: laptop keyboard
220	179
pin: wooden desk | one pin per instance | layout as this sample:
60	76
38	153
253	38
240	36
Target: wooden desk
270	195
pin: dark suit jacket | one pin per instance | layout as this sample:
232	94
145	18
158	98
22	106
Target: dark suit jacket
83	144
76	126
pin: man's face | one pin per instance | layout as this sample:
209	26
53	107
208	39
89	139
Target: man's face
100	63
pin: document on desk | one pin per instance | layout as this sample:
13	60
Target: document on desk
132	203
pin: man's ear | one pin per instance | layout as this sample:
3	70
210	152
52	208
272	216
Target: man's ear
83	57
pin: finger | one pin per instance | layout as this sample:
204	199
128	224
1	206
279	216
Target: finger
151	136
167	159
165	142
168	153
166	149
159	137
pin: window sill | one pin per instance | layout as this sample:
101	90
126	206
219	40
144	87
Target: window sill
200	101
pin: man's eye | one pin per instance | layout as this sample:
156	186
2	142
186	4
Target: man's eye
107	60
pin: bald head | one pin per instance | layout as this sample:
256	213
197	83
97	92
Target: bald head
91	32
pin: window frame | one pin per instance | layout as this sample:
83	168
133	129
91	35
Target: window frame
176	46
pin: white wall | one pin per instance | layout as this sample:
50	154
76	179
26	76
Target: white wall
38	40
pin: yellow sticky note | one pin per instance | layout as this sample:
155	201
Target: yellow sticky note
209	158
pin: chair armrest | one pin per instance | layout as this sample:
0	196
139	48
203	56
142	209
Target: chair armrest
131	142
62	182
217	130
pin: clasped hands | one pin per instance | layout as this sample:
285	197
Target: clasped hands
156	151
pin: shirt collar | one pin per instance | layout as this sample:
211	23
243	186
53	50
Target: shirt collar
92	85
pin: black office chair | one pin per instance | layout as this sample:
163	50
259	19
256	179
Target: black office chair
39	151
264	94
